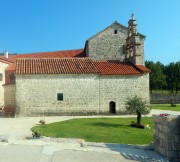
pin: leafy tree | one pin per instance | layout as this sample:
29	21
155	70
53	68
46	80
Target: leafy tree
172	72
157	76
137	105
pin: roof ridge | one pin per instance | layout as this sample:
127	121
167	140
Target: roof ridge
52	58
107	28
50	51
6	60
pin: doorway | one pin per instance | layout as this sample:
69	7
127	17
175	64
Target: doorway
112	107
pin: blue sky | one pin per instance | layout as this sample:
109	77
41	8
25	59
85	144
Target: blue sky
50	25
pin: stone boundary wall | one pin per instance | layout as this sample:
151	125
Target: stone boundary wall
163	99
167	136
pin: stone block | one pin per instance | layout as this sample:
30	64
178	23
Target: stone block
160	127
175	146
177	138
165	129
172	154
168	145
161	150
155	132
163	136
157	119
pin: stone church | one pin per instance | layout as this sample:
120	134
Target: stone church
97	79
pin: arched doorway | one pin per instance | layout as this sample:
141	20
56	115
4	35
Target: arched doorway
112	107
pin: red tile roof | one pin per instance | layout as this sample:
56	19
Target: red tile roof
76	66
55	66
143	68
66	62
4	60
118	68
54	54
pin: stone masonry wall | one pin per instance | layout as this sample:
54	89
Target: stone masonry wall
163	99
107	45
119	88
167	136
9	95
83	94
37	95
2	68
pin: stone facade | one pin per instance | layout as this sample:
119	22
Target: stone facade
167	136
82	94
119	88
90	88
108	44
37	95
2	81
135	49
9	95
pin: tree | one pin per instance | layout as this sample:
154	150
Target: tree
137	105
157	76
172	72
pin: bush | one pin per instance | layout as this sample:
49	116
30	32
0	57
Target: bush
42	122
36	134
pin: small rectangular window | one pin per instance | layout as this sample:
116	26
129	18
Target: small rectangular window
60	96
1	76
115	31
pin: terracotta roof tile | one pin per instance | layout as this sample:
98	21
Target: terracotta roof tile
117	68
54	54
143	69
55	66
4	60
76	66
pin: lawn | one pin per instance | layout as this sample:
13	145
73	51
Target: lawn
166	107
109	130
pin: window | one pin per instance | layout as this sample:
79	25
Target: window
115	31
1	76
59	96
12	77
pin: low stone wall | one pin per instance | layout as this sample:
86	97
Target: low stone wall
163	99
167	136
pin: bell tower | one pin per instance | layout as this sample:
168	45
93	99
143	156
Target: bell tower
134	47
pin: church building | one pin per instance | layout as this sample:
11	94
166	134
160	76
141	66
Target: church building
97	79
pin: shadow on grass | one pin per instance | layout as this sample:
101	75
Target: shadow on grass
107	125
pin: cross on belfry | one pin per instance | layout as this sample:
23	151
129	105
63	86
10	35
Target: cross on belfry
132	16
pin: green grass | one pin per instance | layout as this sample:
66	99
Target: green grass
165	107
108	130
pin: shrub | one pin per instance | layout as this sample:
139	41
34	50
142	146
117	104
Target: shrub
36	134
42	122
137	105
